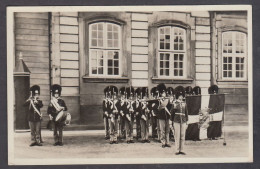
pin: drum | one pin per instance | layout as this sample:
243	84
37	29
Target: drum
61	116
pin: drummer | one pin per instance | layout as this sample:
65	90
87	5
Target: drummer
56	106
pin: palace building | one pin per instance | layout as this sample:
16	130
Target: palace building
86	51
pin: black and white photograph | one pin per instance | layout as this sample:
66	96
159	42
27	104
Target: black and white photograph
129	84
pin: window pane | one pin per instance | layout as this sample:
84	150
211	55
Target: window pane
100	26
181	57
167	72
100	43
175	72
109	27
225	73
116	63
116	71
94	70
167	64
161	71
229	74
110	63
175	64
94	42
115	55
100	70
181	64
110	71
181	72
175	56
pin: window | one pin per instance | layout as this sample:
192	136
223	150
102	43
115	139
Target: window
172	52
234	55
104	49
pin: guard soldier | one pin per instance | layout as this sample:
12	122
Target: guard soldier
171	95
153	107
180	120
56	113
137	112
214	130
105	111
34	115
113	115
122	108
145	116
164	115
129	115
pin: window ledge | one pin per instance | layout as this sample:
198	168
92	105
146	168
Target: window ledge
230	83
231	80
176	81
88	79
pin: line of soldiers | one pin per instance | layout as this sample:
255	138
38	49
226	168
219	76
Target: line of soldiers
55	111
165	110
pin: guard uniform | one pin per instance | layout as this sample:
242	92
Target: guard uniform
105	111
53	112
164	116
145	117
153	107
34	115
137	112
113	115
129	116
180	120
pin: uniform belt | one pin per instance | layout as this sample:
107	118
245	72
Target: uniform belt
180	114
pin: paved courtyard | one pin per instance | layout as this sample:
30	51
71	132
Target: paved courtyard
91	144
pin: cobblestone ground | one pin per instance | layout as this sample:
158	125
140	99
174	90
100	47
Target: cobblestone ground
91	144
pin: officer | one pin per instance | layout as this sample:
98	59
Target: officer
35	115
55	110
180	120
164	115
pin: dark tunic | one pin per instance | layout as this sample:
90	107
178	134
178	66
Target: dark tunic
105	108
53	112
162	113
33	116
145	112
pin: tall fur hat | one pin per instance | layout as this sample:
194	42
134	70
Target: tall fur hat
180	91
56	89
170	91
188	90
161	88
130	91
144	92
213	89
197	90
35	89
114	90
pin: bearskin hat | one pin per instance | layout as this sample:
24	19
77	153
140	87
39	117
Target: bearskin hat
144	92
188	90
154	91
213	89
161	88
56	89
107	91
122	91
35	89
197	90
114	90
130	91
179	90
170	91
138	91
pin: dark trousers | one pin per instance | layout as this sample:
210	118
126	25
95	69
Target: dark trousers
58	132
144	129
122	133
129	129
35	131
106	124
138	128
154	126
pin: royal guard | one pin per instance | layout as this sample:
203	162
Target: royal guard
129	115
105	105
122	110
35	115
137	112
113	115
145	116
214	130
57	114
170	92
180	120
193	128
153	107
164	115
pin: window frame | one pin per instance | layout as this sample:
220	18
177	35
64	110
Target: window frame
105	49
172	52
234	56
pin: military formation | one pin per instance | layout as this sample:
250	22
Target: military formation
163	109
